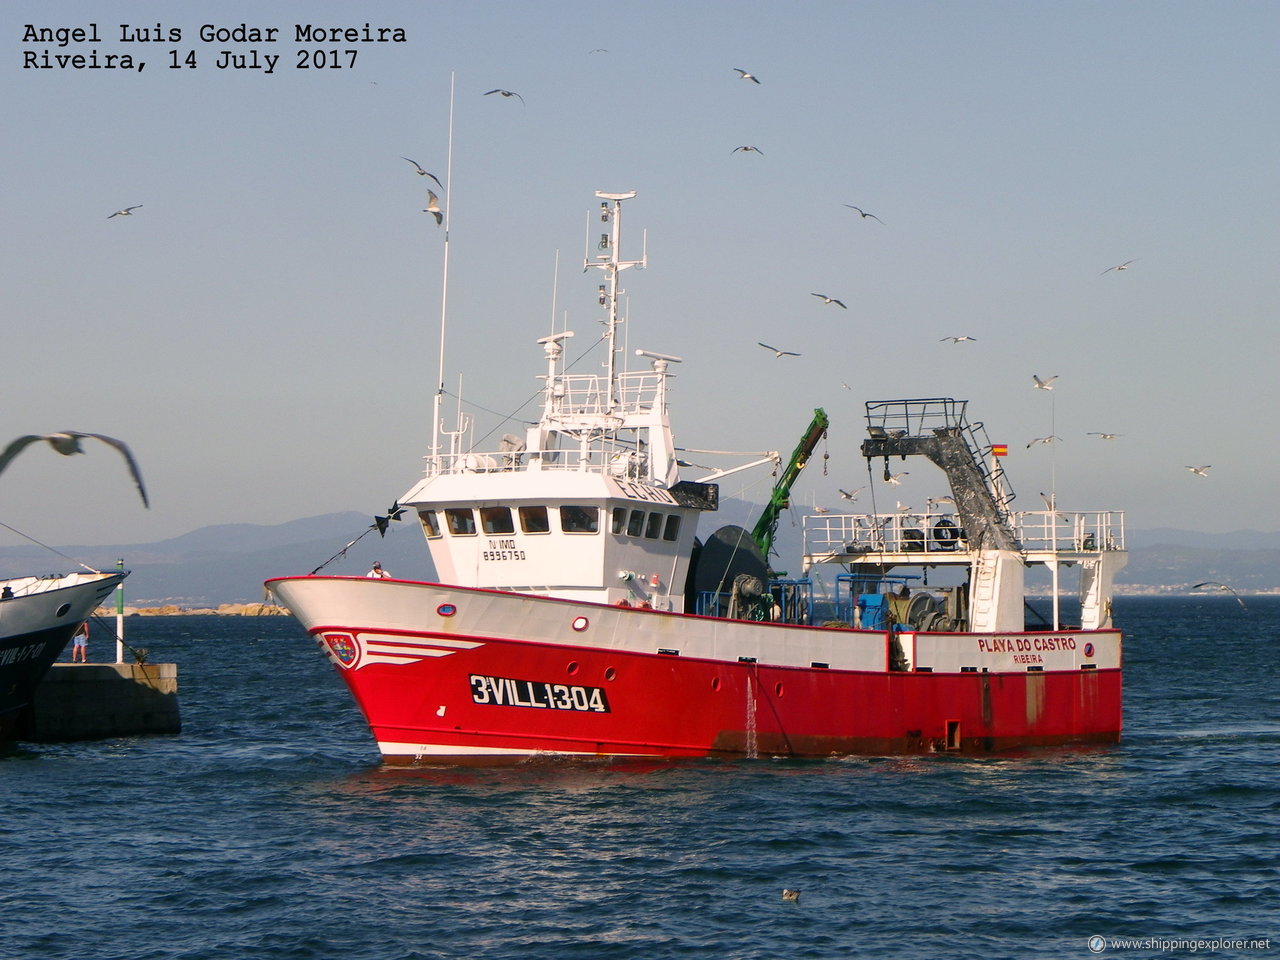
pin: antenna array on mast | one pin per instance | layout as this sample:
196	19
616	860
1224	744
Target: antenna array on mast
609	259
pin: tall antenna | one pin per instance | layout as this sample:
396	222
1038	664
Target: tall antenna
555	289
444	287
609	259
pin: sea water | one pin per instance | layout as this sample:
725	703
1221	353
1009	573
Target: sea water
269	829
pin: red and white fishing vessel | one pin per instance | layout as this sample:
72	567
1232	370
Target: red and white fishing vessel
578	614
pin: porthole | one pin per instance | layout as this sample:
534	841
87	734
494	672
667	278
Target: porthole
1088	649
777	689
572	669
446	609
581	623
62	610
715	684
610	674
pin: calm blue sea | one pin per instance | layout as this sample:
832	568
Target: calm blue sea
268	829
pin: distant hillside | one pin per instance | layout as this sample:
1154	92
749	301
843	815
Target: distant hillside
228	563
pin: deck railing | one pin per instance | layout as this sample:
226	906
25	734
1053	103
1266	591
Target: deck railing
940	533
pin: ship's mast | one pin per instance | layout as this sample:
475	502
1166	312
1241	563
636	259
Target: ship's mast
444	291
609	259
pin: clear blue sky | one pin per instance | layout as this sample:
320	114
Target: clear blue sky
263	332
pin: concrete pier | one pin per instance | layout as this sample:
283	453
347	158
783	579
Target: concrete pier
90	701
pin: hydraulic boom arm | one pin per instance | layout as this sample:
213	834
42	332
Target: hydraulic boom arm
780	499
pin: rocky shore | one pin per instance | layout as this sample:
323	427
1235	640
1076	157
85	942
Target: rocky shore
224	610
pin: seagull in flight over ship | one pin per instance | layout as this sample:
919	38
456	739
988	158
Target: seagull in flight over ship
864	214
424	173
1201	471
958	339
1220	586
1044	384
748	150
1102	436
896	478
433	207
1048	439
126	212
1120	266
743	75
507	93
851	494
68	442
776	352
825	299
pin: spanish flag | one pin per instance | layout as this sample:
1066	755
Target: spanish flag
999	449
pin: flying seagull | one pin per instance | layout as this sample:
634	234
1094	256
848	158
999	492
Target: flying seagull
746	76
424	173
433	207
126	212
1044	384
1121	266
68	442
1220	586
896	478
958	339
864	213
1102	436
507	93
748	150
826	299
1048	439
851	494
1201	471
776	352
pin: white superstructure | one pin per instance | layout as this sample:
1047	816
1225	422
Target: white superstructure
588	505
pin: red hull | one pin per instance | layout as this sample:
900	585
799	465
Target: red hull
704	709
443	690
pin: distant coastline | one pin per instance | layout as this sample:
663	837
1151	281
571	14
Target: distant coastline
173	610
271	610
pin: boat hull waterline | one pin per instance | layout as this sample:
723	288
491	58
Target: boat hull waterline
463	675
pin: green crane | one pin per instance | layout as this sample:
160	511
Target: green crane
780	499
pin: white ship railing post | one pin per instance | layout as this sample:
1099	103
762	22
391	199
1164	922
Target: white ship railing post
120	613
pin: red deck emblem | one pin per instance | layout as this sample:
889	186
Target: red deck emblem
343	648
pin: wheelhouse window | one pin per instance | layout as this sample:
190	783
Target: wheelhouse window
430	523
619	519
575	519
496	520
636	523
461	521
653	527
534	520
672	529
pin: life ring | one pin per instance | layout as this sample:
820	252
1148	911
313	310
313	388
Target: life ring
945	534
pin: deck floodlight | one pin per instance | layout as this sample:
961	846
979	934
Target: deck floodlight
878	433
604	213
